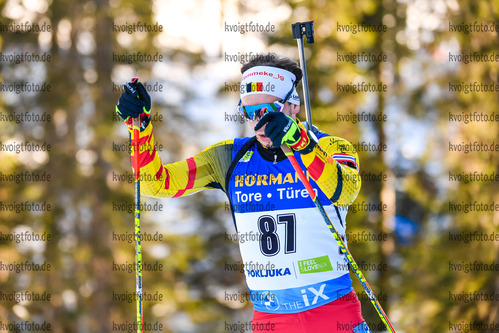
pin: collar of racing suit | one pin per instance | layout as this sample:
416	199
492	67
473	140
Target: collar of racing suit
272	155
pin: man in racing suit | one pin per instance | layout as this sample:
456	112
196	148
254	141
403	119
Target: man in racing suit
298	279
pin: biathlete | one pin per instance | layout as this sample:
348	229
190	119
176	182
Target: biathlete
305	285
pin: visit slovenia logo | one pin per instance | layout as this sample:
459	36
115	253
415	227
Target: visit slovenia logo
315	265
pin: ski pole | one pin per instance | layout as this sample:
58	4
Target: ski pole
348	256
299	30
138	245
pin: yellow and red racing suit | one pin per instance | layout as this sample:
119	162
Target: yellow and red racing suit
293	264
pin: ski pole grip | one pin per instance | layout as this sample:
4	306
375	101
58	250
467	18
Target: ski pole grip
136	124
306	29
286	149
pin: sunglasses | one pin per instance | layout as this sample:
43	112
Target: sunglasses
252	112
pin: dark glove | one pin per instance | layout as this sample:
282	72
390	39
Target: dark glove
282	129
134	102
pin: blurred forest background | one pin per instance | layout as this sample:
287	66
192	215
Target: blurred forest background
424	286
